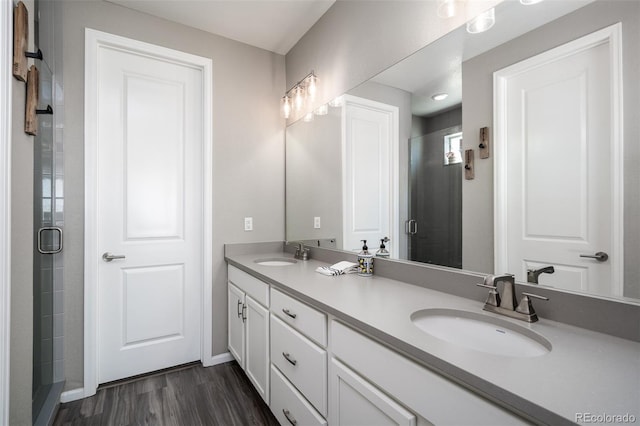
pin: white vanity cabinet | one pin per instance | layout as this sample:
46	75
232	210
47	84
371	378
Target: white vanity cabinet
299	361
370	383
248	327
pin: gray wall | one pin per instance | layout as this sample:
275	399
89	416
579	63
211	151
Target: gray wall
355	40
21	254
477	86
248	148
314	178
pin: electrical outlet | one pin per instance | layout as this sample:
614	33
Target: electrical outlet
248	224
316	222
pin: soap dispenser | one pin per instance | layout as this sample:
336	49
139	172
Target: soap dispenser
365	261
382	251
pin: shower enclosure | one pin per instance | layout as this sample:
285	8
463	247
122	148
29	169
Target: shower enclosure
48	204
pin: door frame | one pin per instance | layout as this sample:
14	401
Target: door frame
394	184
94	41
613	36
6	106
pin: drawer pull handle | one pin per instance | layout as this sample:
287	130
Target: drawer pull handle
239	309
287	414
287	356
244	312
288	313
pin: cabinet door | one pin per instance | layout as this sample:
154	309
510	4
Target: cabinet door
236	315
257	346
354	401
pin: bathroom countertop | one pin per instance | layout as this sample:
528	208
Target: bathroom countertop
585	372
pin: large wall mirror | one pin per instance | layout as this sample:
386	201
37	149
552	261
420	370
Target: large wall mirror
554	87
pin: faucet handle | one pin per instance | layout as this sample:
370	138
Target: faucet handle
494	297
525	307
535	296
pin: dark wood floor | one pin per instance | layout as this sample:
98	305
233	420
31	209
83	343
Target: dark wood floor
218	395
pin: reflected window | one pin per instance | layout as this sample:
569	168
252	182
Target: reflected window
453	148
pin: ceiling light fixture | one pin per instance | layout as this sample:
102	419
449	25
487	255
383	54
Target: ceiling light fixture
439	96
529	2
301	93
482	22
447	8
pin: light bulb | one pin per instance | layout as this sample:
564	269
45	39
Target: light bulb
447	8
308	117
322	110
285	102
298	98
336	102
482	22
312	87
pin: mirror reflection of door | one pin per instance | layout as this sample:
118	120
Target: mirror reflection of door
558	158
435	235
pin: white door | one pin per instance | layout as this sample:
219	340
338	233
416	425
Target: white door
150	212
557	158
369	174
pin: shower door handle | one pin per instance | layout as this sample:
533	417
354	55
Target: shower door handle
42	231
108	257
411	227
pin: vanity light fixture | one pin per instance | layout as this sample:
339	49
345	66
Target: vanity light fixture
529	2
302	92
482	22
439	96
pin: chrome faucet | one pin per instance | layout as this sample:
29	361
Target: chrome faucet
533	274
301	253
507	304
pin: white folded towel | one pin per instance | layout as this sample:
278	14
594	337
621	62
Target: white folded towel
339	268
327	270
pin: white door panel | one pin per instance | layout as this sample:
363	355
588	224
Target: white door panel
370	143
555	167
150	183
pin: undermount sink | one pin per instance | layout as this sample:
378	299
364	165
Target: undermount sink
481	333
276	261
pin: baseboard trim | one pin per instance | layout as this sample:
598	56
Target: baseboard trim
72	395
218	359
79	393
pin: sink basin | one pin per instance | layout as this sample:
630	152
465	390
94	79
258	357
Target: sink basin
276	261
481	333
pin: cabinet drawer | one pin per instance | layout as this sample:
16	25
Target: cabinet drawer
255	288
303	318
424	392
288	405
301	361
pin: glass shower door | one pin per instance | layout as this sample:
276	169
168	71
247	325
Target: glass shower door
48	242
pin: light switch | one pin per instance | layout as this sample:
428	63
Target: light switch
248	224
316	222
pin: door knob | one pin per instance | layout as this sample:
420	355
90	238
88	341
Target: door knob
599	256
108	257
